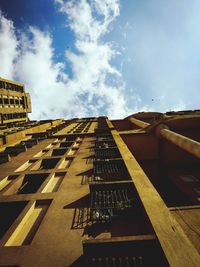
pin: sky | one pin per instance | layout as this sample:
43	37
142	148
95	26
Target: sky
80	58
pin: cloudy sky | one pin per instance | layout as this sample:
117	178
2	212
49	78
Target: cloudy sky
81	58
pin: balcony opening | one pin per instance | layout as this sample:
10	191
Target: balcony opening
105	143
107	153
12	101
138	252
110	170
119	209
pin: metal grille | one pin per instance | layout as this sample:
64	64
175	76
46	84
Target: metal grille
131	261
66	144
107	153
109	169
104	138
105	144
109	204
116	199
104	135
102	123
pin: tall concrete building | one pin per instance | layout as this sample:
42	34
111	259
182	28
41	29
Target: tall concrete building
100	192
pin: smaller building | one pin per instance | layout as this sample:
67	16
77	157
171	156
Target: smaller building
15	103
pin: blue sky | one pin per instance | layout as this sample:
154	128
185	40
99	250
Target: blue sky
102	57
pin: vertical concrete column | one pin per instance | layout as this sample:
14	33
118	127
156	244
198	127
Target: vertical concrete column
139	123
187	144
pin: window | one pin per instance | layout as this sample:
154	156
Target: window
9	212
16	101
11	101
46	164
110	170
31	183
6	102
27	228
58	152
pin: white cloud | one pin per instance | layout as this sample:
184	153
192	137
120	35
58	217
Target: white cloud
91	66
8	47
96	86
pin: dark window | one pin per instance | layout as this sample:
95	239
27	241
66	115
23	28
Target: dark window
6	102
12	87
49	163
31	183
66	144
23	101
12	101
58	152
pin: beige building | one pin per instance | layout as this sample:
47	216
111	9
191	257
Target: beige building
15	103
100	192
